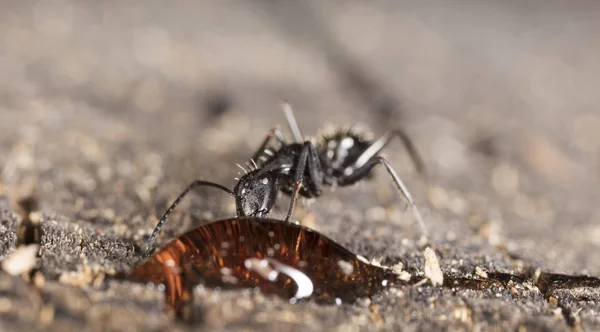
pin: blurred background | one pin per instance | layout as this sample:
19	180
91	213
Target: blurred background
108	109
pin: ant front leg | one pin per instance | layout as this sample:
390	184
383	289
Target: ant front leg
273	133
315	170
308	158
356	174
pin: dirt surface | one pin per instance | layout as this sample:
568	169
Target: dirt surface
108	110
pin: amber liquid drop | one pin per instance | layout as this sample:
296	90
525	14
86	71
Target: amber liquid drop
279	258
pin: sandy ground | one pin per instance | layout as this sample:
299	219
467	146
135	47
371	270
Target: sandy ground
108	110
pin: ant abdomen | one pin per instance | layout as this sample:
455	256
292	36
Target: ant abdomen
340	150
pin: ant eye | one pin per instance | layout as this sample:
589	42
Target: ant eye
265	180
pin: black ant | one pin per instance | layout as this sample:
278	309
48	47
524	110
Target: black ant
301	168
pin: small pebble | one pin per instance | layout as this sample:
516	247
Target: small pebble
21	260
398	268
480	272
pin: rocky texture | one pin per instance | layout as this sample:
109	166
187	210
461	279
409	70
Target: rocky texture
8	233
108	110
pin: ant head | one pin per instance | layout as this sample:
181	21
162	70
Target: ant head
255	193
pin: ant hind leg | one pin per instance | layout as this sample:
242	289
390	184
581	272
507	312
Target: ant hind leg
376	147
362	171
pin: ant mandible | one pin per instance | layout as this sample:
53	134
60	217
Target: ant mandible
301	168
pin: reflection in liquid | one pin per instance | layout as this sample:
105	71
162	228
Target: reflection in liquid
303	283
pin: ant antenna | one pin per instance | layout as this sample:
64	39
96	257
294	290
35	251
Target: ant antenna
289	114
162	220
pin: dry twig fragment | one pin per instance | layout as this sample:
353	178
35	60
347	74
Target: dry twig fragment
432	267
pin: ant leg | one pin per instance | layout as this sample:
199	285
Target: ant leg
356	174
274	132
293	199
162	220
384	140
298	177
315	170
289	115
